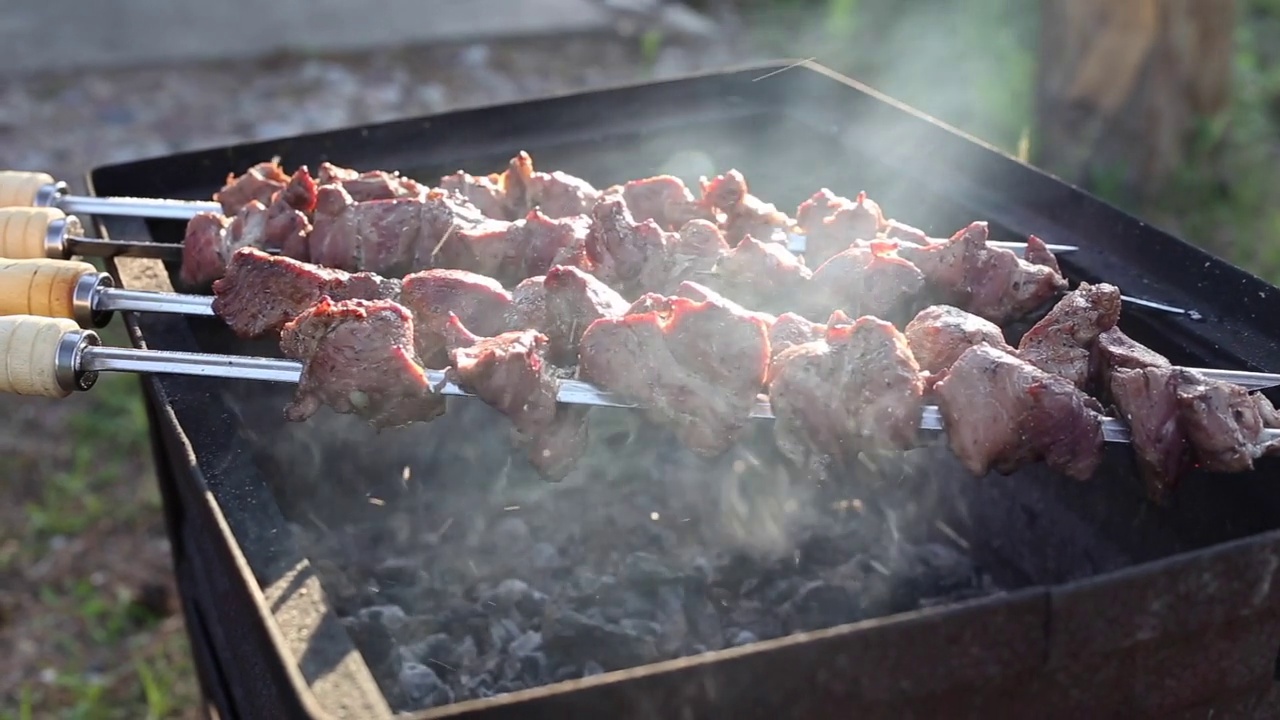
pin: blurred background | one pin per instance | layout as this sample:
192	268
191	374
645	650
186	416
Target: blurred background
1167	108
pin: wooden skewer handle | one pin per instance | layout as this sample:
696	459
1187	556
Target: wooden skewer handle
23	231
19	188
42	287
29	355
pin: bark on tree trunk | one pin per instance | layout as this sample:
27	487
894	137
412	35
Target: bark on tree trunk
1121	84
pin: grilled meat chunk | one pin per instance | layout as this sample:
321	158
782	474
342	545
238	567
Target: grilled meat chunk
664	199
1062	342
480	302
1224	422
260	293
1147	399
518	190
745	215
990	282
510	372
639	257
832	223
857	389
512	251
212	239
386	236
371	185
1002	412
790	329
260	182
358	358
868	279
1037	253
697	367
939	334
760	275
574	300
1112	350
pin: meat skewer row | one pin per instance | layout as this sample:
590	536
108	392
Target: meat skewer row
53	357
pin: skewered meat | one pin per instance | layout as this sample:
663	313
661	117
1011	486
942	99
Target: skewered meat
857	389
696	367
832	223
512	251
261	292
260	182
573	301
990	282
510	372
384	236
1002	412
866	280
1061	342
358	358
520	189
480	302
664	199
1113	349
790	329
1147	399
212	239
745	215
1037	253
370	185
761	275
638	257
939	335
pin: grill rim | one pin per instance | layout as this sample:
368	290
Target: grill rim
1047	607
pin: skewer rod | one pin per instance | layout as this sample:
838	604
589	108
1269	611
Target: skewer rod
116	299
135	207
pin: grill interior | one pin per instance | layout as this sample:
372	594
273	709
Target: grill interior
389	516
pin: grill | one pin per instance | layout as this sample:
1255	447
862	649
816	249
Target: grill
1110	606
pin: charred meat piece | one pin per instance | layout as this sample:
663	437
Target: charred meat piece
1002	412
1224	422
1147	400
761	275
384	236
1112	350
261	182
990	282
529	304
557	194
789	329
832	223
664	199
487	192
212	239
857	389
639	257
358	358
1062	342
870	279
481	304
513	251
745	215
574	300
939	334
510	372
371	185
696	367
1037	253
260	293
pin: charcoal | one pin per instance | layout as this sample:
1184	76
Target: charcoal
821	605
742	637
642	568
590	668
423	687
579	638
544	556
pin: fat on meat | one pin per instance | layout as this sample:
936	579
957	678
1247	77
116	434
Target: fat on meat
939	334
1061	343
480	302
696	367
358	358
1002	412
260	292
511	373
857	389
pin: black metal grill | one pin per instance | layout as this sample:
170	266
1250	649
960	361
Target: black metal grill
1118	608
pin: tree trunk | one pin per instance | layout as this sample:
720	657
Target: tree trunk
1122	83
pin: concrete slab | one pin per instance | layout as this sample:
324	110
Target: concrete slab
72	34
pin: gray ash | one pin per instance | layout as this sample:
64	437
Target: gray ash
460	574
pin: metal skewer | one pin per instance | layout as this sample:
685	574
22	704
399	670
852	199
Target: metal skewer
796	243
60	358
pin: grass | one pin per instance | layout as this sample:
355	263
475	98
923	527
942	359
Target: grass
86	604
